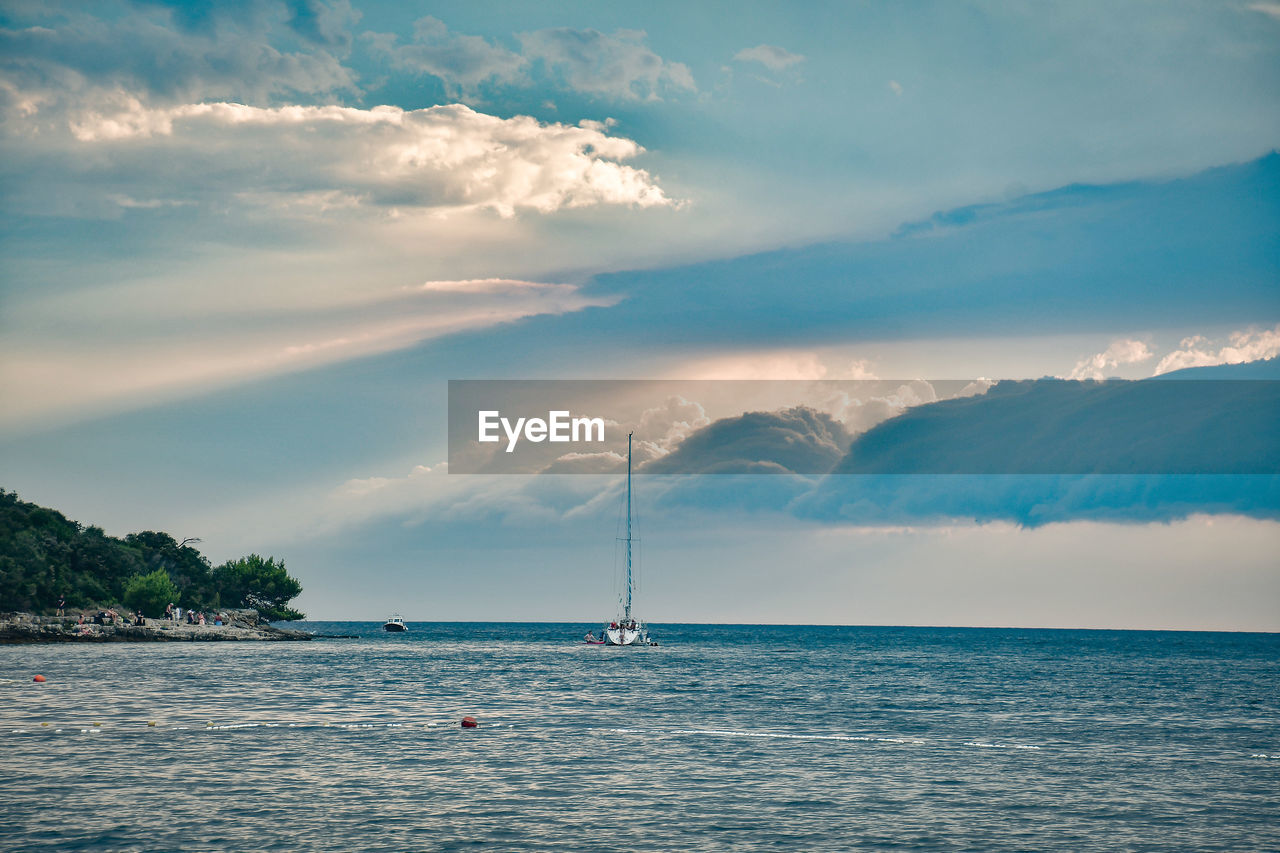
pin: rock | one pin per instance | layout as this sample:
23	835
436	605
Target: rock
245	618
243	625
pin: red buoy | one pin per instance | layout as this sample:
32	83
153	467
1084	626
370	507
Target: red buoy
470	723
38	678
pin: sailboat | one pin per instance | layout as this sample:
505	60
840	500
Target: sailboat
626	630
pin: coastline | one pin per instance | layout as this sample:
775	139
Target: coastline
244	626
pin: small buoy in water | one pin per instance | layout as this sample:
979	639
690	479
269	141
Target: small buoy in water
470	723
151	722
39	678
44	724
98	725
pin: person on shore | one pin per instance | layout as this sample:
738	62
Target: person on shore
168	612
138	618
62	604
202	619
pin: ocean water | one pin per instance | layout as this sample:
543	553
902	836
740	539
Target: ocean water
723	737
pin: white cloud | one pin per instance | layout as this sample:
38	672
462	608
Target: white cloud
1270	9
871	404
771	57
861	369
895	87
446	158
606	462
1242	346
779	364
663	427
50	377
1120	353
361	487
619	65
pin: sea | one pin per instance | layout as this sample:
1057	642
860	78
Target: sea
723	737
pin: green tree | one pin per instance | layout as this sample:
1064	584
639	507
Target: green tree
187	567
262	584
150	592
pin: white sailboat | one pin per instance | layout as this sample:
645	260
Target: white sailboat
626	630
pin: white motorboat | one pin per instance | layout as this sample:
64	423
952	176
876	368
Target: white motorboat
395	624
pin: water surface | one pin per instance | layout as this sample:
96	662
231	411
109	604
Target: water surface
749	737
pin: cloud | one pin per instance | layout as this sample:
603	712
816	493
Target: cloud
162	54
1029	452
662	428
1056	427
775	365
431	493
47	377
680	421
1243	346
606	462
1119	353
1036	500
1271	10
462	62
895	87
446	158
1042	264
771	57
327	24
862	408
619	65
798	440
1044	451
771	462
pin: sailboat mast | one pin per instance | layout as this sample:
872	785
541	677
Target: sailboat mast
628	613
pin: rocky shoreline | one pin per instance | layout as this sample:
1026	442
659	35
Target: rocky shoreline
243	625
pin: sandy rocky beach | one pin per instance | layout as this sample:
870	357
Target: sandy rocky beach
241	625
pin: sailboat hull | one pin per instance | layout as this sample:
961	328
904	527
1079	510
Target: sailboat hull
622	637
619	636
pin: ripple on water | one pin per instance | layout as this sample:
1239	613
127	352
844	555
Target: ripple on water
797	738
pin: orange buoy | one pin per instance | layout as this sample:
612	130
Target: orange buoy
470	723
38	678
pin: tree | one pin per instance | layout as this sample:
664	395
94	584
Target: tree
187	567
150	592
262	584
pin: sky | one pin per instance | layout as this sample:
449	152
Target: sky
246	245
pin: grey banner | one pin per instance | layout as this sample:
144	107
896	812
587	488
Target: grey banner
817	427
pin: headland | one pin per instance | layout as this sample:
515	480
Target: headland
241	625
